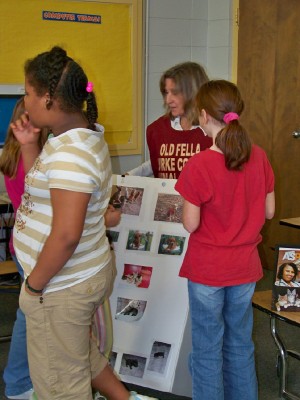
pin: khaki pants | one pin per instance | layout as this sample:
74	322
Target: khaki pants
62	357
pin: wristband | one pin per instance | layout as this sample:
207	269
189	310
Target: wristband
39	291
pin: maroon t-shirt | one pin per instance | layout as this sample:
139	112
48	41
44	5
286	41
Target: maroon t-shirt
170	149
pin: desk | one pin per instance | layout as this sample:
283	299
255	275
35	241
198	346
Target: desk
262	301
293	222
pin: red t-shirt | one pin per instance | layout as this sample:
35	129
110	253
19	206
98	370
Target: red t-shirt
223	249
170	149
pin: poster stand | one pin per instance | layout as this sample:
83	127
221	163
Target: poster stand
149	302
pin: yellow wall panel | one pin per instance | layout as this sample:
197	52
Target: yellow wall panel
109	53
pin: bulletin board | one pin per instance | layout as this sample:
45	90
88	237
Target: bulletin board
149	302
105	37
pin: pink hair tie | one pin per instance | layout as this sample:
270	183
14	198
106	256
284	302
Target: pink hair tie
231	116
89	87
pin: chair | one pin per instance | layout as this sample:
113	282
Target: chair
9	267
6	268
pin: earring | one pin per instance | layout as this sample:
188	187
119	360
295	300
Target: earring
48	104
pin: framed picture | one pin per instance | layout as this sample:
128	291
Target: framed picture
286	287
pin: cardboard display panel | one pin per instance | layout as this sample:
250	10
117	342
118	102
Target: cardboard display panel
149	302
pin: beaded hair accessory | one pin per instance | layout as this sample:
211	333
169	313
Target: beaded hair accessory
231	116
89	87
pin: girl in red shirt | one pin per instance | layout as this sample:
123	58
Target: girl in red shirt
228	193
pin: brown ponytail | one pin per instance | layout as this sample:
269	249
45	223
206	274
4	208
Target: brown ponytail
218	98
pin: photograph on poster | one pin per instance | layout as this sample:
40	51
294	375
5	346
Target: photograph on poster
112	235
133	365
286	288
137	275
139	240
128	199
130	310
159	357
168	208
113	238
112	359
171	245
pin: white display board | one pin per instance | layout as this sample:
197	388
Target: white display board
149	302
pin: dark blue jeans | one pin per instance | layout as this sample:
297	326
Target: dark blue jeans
16	373
222	360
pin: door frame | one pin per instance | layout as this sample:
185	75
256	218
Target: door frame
234	39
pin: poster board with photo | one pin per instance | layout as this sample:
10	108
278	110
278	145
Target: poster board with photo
149	302
286	288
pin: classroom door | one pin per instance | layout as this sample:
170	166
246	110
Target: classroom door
269	79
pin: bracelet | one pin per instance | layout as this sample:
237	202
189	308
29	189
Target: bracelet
31	288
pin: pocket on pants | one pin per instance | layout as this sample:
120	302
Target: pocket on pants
28	304
83	298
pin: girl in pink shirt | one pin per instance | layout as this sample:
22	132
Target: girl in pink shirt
15	161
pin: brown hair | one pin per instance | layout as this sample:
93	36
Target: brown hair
217	98
11	151
188	78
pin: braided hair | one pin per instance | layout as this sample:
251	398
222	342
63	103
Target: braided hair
65	81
